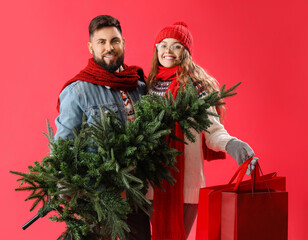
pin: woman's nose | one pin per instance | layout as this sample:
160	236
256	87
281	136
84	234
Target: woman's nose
168	49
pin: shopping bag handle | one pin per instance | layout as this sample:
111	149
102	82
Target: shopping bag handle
241	171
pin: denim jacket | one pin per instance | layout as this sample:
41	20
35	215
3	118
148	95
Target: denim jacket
82	97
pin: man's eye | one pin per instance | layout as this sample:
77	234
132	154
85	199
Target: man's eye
116	41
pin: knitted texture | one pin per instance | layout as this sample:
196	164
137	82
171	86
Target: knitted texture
93	73
178	31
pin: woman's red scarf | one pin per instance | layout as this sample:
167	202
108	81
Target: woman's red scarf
93	73
168	220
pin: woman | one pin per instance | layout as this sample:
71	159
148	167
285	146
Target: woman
175	209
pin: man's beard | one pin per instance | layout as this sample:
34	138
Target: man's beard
112	66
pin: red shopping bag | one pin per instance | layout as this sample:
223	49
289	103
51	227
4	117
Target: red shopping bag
209	209
255	214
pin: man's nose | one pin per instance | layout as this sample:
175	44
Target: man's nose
109	46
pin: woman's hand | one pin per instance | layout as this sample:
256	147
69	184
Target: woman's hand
241	151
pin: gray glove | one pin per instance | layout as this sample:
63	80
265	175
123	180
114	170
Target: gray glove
241	151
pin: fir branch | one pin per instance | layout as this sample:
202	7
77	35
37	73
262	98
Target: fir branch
123	157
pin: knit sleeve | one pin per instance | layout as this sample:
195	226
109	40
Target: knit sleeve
217	136
201	91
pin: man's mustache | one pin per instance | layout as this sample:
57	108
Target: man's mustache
110	52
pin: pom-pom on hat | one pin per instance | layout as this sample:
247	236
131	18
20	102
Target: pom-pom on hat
178	31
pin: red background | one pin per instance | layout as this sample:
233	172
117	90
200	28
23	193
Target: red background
261	43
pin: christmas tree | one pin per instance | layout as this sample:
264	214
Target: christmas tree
94	180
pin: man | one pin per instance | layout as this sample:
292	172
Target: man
108	83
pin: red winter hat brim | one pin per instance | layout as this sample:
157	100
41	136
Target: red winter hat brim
178	31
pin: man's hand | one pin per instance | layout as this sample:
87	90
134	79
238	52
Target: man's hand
66	197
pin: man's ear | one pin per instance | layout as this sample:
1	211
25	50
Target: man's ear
90	47
123	39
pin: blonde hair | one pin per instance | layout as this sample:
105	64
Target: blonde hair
188	68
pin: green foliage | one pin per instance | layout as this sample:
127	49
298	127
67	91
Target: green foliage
83	179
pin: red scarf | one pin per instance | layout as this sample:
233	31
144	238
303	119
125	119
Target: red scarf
168	221
166	74
93	73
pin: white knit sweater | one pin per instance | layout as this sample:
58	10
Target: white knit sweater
194	179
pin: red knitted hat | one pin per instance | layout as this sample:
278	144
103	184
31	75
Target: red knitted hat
178	31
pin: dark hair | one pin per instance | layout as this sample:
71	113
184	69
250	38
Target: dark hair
103	21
